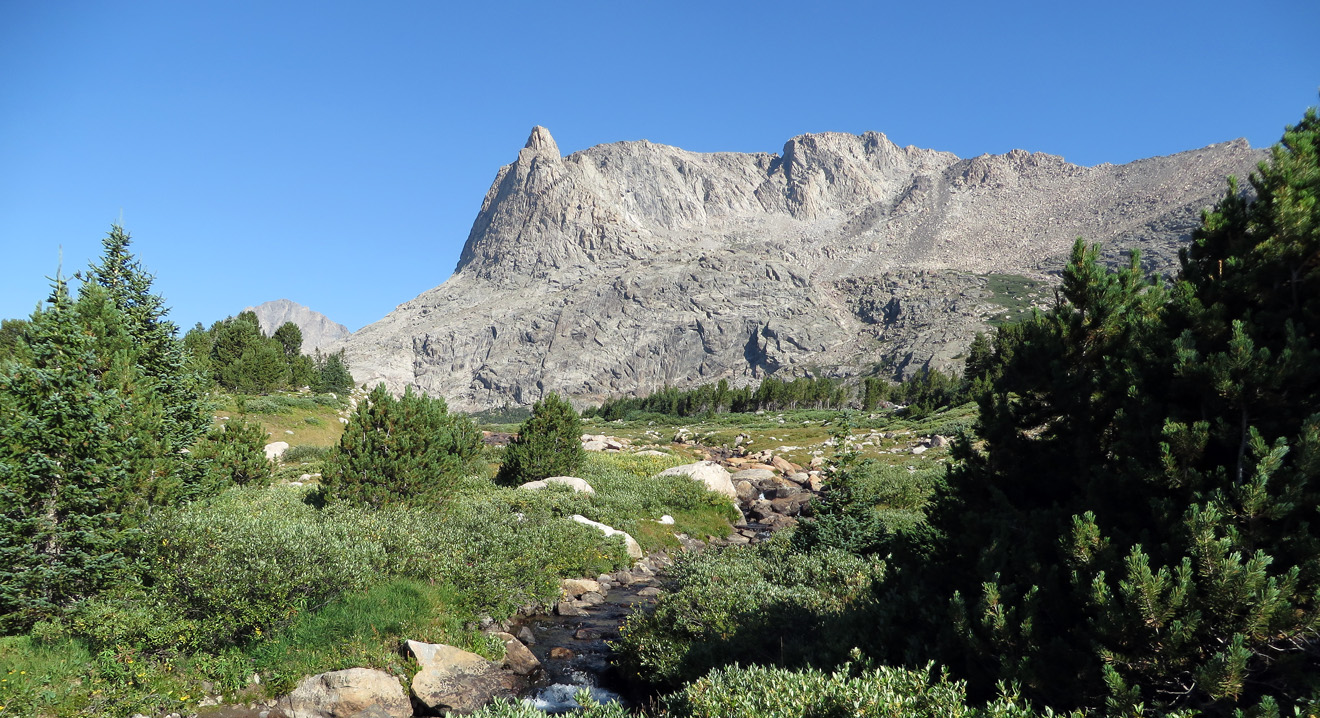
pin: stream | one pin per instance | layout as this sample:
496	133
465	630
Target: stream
589	667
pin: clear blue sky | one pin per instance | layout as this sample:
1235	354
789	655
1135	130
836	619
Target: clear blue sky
336	153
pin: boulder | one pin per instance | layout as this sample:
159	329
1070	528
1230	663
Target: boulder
778	488
593	445
746	492
574	587
714	476
752	475
760	511
791	505
784	465
592	599
351	692
571	608
459	681
559	653
516	656
634	549
572	482
276	449
666	520
938	441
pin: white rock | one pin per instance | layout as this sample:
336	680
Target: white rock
346	693
634	549
918	450
594	445
667	519
714	476
276	449
573	482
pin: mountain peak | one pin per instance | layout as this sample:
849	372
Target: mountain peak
541	142
318	331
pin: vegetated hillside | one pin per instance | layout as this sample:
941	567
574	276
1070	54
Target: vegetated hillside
627	267
318	330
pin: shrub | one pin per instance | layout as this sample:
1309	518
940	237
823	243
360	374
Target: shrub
400	450
303	453
229	455
761	604
885	691
548	444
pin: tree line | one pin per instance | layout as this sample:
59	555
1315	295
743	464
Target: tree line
928	390
236	355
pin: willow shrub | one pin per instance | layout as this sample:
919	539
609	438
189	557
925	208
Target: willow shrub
226	571
742	605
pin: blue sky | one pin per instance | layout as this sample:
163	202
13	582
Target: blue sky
336	153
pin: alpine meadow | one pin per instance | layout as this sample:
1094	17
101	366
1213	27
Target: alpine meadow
849	430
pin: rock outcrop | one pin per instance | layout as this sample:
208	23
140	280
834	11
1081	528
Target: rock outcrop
318	331
627	267
351	692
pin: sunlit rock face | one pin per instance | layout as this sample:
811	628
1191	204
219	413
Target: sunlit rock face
627	267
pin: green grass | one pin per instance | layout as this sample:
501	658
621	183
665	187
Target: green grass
1016	294
299	419
365	629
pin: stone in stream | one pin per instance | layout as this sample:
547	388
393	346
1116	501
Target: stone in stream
586	634
559	653
649	591
574	587
458	681
592	598
345	693
516	656
526	636
571	608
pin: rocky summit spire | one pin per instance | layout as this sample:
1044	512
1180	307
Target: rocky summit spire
541	142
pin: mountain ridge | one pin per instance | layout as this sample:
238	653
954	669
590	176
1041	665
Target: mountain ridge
625	267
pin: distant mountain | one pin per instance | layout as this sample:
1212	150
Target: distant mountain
626	267
317	329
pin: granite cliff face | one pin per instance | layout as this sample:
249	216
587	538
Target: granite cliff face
625	267
318	331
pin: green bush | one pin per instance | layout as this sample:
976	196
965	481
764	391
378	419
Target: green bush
865	505
760	604
548	444
883	692
409	449
229	455
303	453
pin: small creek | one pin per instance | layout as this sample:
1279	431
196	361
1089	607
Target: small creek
589	667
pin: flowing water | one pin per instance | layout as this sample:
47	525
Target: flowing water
590	666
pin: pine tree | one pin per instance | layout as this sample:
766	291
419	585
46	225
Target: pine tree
1139	527
404	450
160	354
548	444
290	338
61	467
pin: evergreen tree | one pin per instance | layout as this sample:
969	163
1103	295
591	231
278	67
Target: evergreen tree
332	373
1140	527
548	444
229	455
409	449
61	466
160	354
290	339
12	333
